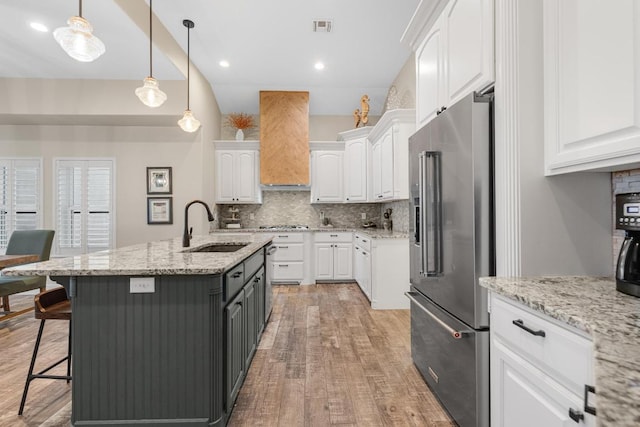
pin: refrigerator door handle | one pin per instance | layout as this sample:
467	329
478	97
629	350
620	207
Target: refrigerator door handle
455	334
422	227
432	194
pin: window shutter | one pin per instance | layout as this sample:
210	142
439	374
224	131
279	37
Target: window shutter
84	212
20	195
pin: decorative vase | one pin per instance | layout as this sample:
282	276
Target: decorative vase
239	135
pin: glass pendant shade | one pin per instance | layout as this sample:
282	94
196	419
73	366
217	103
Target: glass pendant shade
188	123
78	41
150	93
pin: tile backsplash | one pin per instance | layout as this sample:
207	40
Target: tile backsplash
621	182
294	208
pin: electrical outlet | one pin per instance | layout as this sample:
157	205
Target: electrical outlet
142	285
364	215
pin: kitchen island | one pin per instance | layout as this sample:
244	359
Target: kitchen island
609	318
162	334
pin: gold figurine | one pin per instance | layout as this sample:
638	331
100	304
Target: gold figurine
356	118
364	105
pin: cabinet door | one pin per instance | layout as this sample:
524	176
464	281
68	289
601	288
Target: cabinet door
591	85
430	75
469	41
251	323
323	261
386	165
357	266
235	341
260	302
327	176
225	165
524	396
343	261
245	176
355	170
376	173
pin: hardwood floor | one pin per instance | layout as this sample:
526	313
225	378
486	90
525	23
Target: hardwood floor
325	359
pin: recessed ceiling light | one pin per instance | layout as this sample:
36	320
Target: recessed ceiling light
224	64
319	66
38	27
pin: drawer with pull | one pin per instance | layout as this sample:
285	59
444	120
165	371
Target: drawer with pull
288	238
363	242
287	271
288	252
551	347
324	237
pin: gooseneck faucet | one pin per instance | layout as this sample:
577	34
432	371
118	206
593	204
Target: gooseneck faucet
186	237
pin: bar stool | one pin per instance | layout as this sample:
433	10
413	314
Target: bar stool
49	305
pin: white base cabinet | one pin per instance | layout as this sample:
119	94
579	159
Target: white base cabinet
539	369
333	256
389	273
288	261
362	263
591	85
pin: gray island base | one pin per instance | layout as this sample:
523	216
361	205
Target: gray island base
173	345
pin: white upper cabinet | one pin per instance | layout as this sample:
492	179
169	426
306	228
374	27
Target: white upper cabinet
326	179
237	174
591	85
390	155
356	159
454	45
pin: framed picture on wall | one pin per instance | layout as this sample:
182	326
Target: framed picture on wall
159	210
159	180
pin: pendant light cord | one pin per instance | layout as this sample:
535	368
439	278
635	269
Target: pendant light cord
188	63
150	38
80	8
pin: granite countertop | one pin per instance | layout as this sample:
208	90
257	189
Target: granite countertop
146	259
611	318
373	233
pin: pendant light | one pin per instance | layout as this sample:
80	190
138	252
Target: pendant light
77	39
188	122
150	93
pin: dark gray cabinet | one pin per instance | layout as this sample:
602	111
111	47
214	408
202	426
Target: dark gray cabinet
235	343
251	329
260	301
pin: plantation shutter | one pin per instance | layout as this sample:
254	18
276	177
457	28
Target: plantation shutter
20	196
84	212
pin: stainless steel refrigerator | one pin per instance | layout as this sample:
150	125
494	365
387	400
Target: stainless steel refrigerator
452	245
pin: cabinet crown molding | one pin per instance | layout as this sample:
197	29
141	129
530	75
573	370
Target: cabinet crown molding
403	115
232	144
354	133
421	22
326	145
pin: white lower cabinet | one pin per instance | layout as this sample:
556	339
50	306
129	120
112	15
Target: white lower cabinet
538	370
333	256
362	263
287	262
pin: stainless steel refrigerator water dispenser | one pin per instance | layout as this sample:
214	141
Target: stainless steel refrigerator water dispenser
628	267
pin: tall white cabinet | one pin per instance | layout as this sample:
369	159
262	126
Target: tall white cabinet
356	164
591	85
237	172
326	176
454	55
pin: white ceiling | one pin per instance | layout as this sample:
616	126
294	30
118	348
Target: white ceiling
269	44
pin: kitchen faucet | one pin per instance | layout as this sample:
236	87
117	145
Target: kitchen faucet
186	237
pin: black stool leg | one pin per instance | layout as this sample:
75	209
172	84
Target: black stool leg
33	362
69	355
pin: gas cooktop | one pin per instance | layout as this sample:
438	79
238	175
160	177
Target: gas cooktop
284	227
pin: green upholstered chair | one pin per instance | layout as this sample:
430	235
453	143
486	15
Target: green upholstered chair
23	242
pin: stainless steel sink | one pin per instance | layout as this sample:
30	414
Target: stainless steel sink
219	247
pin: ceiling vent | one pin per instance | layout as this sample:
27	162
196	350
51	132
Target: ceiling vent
322	26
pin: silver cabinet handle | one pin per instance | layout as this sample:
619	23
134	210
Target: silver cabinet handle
455	334
283	265
283	247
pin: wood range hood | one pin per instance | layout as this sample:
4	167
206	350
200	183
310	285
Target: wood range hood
284	138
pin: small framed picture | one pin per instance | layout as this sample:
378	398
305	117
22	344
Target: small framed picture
159	210
159	180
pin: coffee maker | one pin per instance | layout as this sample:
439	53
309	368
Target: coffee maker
628	267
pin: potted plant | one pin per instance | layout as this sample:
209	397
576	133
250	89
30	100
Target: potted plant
240	121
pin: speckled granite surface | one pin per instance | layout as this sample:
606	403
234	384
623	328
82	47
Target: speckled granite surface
146	259
373	233
611	318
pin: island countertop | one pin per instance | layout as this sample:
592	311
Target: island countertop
163	257
611	318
